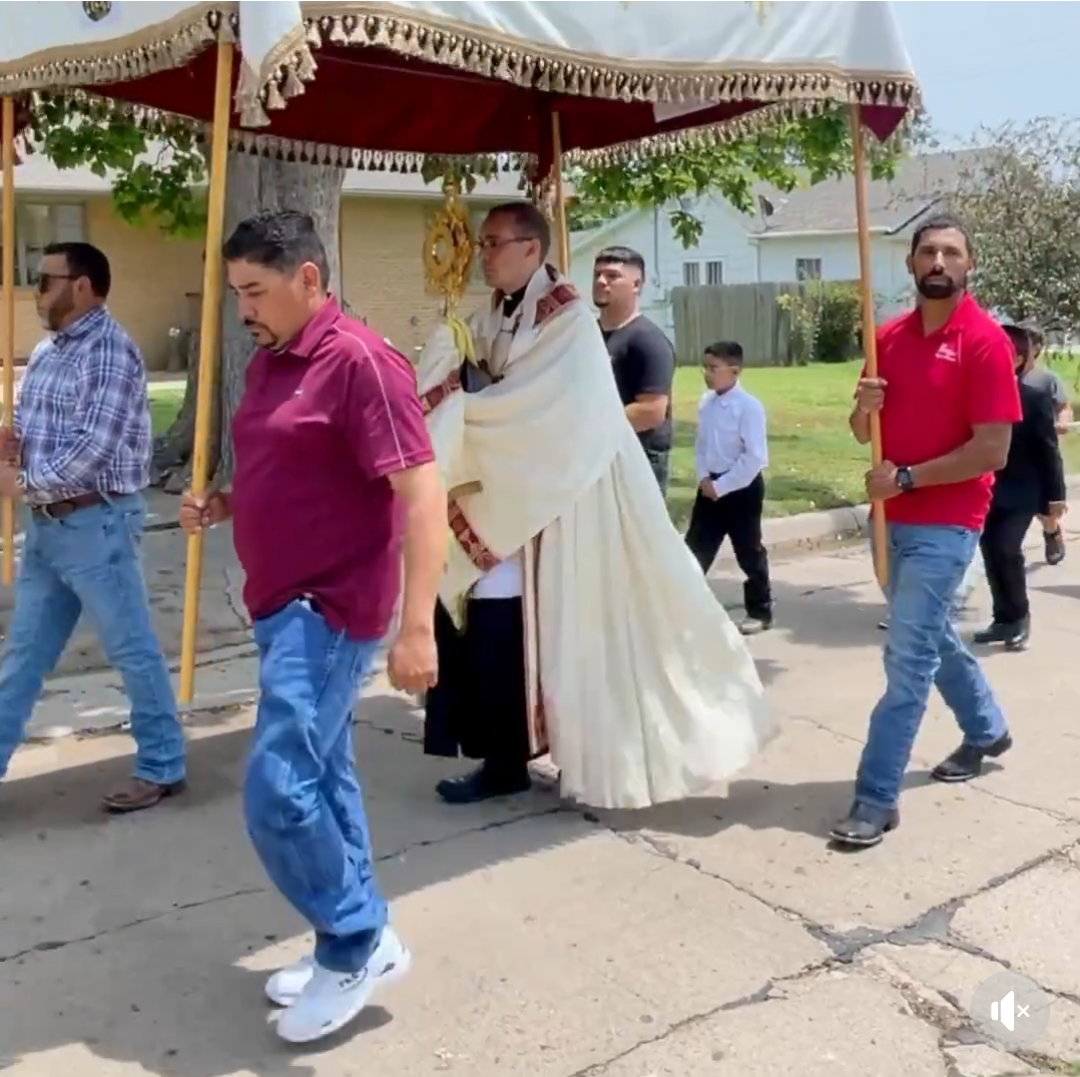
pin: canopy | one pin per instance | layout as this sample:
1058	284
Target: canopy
322	80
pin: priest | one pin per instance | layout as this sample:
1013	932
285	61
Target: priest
572	619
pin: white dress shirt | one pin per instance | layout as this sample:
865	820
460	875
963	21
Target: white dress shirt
731	439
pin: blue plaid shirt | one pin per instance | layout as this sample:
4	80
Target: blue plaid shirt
83	415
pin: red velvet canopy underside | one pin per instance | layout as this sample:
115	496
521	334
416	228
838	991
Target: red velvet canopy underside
371	98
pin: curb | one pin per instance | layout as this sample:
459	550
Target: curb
841	524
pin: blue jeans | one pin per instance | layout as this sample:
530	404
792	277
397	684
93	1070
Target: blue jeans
922	649
90	561
302	800
962	594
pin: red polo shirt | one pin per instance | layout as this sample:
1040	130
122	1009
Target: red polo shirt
320	427
940	386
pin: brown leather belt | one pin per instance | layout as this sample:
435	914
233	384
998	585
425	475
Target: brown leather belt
59	510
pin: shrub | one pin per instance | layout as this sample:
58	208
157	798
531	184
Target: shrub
840	323
826	317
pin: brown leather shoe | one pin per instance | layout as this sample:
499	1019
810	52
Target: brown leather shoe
137	794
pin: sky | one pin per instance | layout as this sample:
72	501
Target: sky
987	63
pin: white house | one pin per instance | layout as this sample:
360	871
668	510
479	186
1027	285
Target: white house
801	235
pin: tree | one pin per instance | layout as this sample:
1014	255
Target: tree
165	192
799	152
1020	196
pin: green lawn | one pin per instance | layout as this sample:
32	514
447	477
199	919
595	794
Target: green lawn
814	462
165	400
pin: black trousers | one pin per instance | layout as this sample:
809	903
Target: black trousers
660	462
737	517
479	708
1002	545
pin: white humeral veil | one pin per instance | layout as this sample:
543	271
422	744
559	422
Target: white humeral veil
649	693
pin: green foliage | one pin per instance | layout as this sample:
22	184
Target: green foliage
797	153
158	164
1021	199
840	322
825	320
458	172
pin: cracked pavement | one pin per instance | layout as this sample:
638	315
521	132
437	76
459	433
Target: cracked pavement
716	938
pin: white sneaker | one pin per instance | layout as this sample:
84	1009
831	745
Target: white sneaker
330	1000
285	986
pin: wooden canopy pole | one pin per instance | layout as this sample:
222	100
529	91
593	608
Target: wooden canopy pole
209	354
7	560
866	288
560	201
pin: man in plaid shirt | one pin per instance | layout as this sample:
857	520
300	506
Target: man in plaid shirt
80	461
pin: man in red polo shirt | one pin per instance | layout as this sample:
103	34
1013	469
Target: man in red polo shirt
948	397
334	475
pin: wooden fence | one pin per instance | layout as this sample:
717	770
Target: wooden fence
747	313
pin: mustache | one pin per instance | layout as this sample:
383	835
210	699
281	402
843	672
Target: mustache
249	324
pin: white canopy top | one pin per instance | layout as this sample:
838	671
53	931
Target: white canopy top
680	57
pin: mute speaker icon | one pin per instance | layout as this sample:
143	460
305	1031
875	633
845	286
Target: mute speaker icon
1006	1010
1001	1001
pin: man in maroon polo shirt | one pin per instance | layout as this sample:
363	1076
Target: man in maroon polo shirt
947	395
334	480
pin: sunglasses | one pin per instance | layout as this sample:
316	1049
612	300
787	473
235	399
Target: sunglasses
45	280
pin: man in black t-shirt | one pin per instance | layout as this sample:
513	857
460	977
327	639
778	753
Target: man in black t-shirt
642	357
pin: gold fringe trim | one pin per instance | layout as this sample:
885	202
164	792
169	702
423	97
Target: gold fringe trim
765	118
449	43
464	47
166	46
717	134
291	64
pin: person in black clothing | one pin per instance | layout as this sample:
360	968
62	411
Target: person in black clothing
642	357
1032	483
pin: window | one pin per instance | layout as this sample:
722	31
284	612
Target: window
714	272
807	269
691	274
37	224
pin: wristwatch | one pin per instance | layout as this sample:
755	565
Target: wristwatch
905	480
20	482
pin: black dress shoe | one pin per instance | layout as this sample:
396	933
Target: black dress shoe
967	761
998	632
1054	545
864	826
1019	636
484	783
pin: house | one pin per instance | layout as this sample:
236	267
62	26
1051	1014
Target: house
805	234
157	279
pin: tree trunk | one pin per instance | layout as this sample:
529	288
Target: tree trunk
255	185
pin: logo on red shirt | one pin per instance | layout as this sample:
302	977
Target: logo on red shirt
947	352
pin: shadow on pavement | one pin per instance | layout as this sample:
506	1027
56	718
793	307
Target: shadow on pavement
800	808
129	942
825	616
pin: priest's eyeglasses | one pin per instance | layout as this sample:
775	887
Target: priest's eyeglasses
496	243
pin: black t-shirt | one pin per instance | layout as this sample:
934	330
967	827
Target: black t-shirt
643	361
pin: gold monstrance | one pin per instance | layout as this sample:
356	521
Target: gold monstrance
449	249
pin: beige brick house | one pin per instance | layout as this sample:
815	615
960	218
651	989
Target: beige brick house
156	279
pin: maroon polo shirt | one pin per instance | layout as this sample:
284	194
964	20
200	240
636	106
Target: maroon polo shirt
320	427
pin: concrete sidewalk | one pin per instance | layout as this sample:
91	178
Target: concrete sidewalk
718	938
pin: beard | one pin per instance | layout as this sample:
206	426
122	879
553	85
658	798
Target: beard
939	286
62	306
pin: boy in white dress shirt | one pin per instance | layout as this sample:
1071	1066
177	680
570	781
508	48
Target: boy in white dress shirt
732	453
